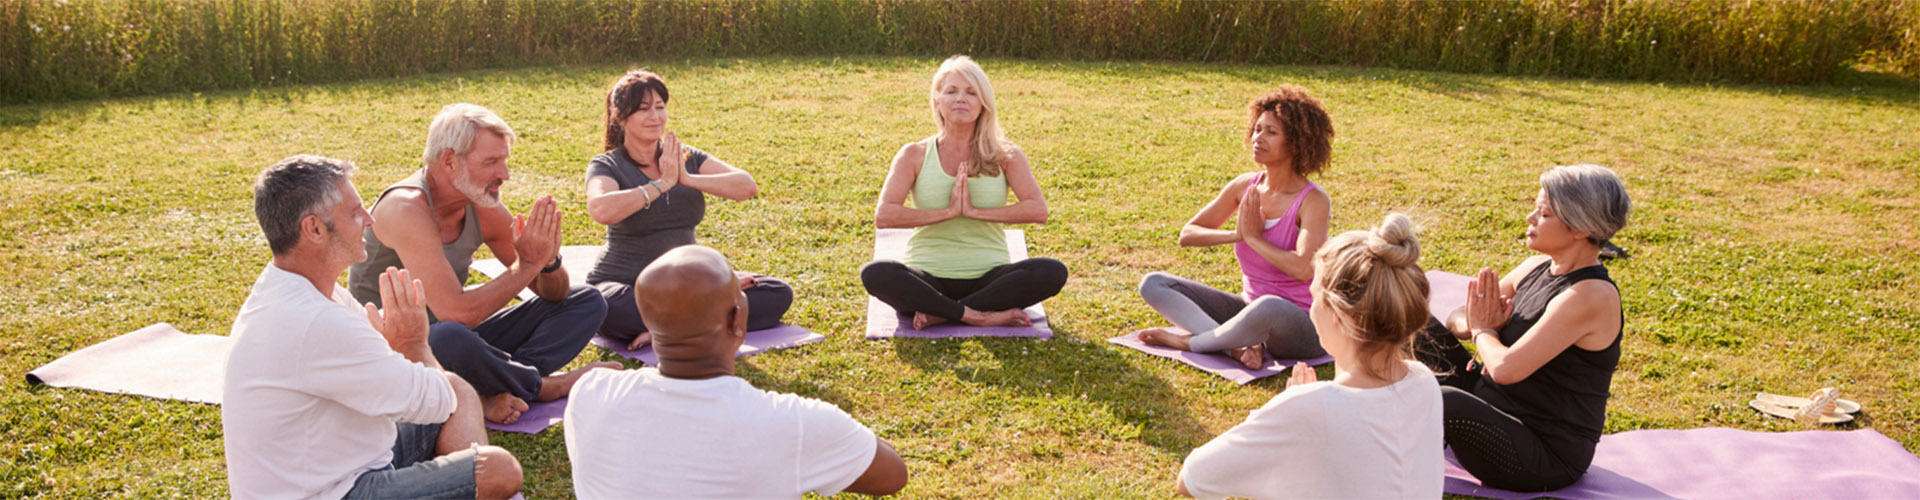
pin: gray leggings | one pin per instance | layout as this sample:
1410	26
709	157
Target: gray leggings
1221	321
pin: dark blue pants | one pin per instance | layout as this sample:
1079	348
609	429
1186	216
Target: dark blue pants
767	302
513	349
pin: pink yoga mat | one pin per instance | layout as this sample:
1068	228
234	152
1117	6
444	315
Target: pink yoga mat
784	336
1730	463
883	322
157	361
1445	293
538	417
1217	364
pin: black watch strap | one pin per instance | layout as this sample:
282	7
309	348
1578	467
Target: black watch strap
555	266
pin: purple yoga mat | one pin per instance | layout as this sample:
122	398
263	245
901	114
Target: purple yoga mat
883	322
538	417
1226	367
157	361
758	341
1445	293
1730	463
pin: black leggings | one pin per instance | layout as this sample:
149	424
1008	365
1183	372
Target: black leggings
1498	448
1007	286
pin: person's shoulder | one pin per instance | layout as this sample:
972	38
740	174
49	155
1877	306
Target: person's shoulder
401	202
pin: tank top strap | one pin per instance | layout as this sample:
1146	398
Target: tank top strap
1293	210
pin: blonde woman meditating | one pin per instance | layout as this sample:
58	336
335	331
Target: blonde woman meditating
1282	220
957	267
1371	432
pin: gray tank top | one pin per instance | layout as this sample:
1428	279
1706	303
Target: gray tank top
363	279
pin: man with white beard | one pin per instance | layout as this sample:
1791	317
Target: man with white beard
432	222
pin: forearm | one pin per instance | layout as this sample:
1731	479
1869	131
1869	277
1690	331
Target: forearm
890	216
553	286
1024	212
1300	267
471	306
418	352
735	185
611	208
1200	236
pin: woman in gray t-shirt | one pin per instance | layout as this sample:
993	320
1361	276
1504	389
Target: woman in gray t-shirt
651	202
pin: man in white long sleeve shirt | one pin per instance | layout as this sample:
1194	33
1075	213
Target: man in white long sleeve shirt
327	399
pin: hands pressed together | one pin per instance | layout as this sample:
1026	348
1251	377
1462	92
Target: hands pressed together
536	235
1488	306
1252	224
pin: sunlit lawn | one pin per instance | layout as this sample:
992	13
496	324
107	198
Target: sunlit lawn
1773	243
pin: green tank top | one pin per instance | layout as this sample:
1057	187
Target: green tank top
961	247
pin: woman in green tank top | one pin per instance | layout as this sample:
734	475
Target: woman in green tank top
957	267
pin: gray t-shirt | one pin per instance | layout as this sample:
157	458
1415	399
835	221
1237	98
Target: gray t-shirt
635	241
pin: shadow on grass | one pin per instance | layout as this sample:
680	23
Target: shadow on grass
1065	368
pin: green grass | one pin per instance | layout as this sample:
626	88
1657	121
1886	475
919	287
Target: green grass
1772	239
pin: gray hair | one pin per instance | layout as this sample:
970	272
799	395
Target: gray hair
1589	199
455	126
292	189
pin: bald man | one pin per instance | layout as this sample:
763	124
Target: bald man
691	429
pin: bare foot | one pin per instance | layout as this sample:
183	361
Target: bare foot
1253	356
640	341
502	408
558	386
1163	337
923	320
1009	317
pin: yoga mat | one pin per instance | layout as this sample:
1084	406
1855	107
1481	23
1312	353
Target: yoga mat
1446	292
157	361
538	417
578	260
1217	364
1729	463
883	322
784	336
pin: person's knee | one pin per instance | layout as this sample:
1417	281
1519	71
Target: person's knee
877	272
453	341
1155	281
461	389
496	473
1052	271
583	299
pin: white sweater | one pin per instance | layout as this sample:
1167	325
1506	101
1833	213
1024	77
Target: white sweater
313	392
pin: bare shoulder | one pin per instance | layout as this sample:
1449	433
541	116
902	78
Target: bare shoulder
402	203
911	155
1596	293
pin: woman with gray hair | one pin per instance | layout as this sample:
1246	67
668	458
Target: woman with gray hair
1527	414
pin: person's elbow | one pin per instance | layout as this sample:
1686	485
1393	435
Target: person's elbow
1500	373
601	213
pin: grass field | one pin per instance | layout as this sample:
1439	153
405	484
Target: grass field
1773	243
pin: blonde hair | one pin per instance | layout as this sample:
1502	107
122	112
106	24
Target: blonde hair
455	126
1373	281
990	148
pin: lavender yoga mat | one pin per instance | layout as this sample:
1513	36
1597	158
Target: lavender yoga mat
578	260
1730	463
883	322
758	341
1216	364
157	361
538	417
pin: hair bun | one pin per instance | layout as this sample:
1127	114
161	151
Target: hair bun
1393	243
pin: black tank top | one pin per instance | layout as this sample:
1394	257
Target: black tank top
1565	401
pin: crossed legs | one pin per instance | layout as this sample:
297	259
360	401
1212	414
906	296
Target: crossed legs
995	298
1209	320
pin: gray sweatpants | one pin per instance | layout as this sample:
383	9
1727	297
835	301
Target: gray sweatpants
1221	321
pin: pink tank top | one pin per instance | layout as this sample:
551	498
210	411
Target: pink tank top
1258	276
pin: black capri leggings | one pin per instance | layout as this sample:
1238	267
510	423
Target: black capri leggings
1495	446
1007	286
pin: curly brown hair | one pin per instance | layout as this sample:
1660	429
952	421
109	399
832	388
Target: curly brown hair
1308	128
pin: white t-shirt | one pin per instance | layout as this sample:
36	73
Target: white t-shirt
1323	440
313	392
640	434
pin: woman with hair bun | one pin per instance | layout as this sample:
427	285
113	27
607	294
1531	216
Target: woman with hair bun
1283	219
1528	413
1371	432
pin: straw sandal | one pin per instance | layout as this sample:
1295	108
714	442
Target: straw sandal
1839	405
1820	408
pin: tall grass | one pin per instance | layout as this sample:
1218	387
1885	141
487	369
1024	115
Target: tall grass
56	49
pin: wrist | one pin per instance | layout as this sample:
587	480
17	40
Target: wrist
554	266
1477	332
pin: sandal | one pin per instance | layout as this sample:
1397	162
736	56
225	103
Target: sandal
1821	408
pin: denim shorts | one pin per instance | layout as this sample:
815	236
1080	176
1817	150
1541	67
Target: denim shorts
416	473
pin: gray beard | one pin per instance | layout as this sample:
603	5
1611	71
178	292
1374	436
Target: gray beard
474	192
